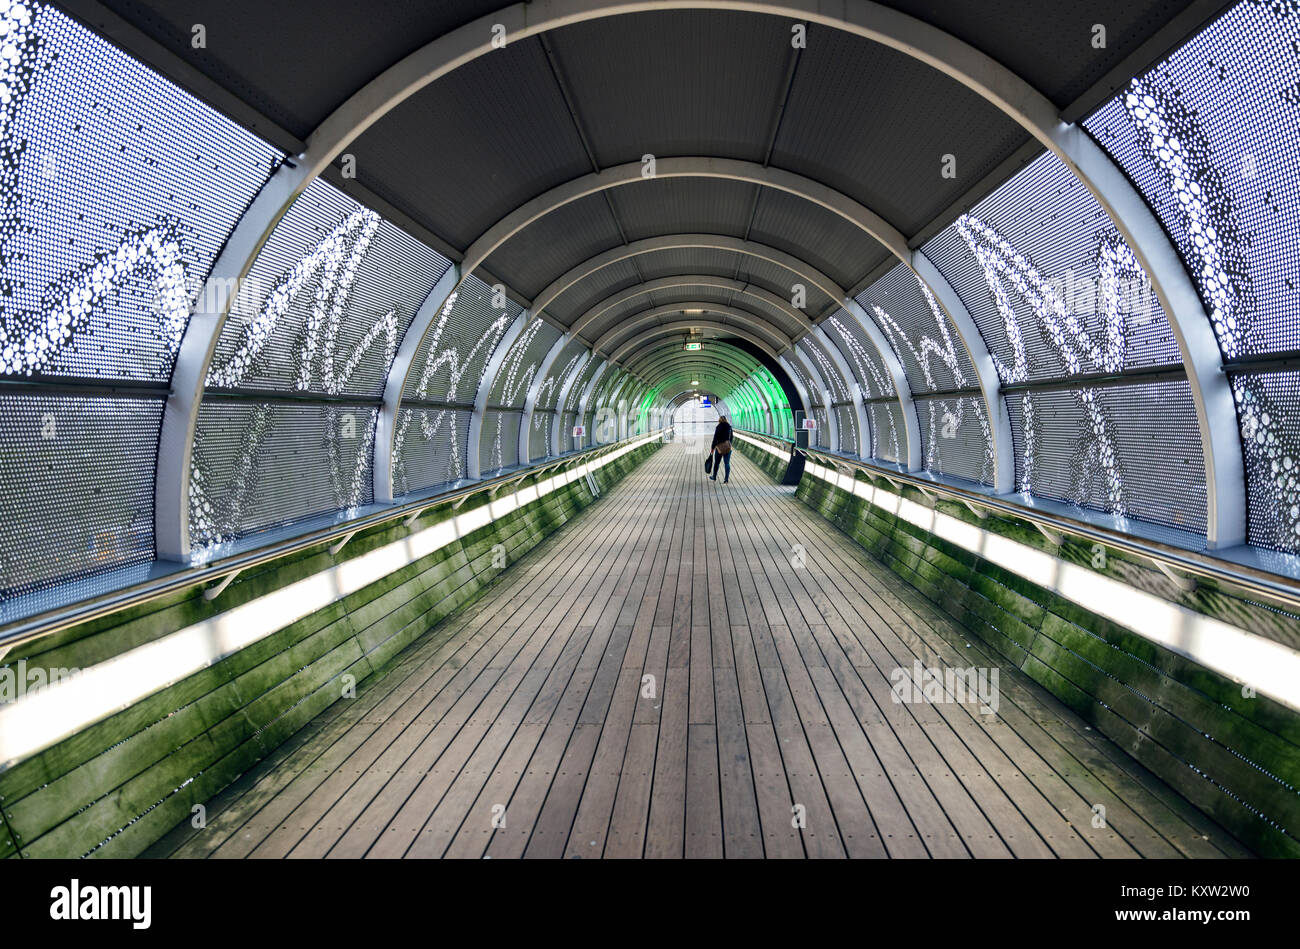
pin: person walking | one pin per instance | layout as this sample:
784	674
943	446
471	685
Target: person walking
721	449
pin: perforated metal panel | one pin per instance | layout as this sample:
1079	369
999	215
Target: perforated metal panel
860	354
567	422
1210	137
327	301
821	436
920	333
888	440
847	421
580	384
459	344
260	465
1270	429
955	438
814	392
521	364
566	361
1132	450
76	487
1052	286
117	190
817	356
539	435
499	441
431	448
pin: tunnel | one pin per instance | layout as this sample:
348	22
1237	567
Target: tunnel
602	429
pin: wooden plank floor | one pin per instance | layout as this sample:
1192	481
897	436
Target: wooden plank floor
699	670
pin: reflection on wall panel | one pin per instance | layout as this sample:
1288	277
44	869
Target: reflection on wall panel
1052	286
1210	137
920	333
76	487
434	445
1133	451
499	441
260	465
887	439
955	438
521	364
860	354
117	190
326	302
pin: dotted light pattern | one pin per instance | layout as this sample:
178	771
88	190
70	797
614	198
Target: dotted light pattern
814	393
838	387
945	418
108	223
343	286
872	377
1210	137
457	344
1073	344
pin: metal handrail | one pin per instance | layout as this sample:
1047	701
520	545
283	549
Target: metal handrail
225	569
1255	581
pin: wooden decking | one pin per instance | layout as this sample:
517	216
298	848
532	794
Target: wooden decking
692	669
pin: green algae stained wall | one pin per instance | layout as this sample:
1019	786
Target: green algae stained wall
118	785
1237	758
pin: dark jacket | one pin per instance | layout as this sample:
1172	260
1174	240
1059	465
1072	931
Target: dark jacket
721	434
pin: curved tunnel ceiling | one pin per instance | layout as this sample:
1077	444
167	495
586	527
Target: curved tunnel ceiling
577	202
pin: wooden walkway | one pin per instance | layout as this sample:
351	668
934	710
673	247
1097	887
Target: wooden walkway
692	669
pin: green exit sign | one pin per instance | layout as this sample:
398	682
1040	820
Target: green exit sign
692	347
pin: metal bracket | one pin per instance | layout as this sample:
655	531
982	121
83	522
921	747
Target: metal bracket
1052	536
979	512
214	591
1185	584
341	543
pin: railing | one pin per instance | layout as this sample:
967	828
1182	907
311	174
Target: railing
220	571
1171	560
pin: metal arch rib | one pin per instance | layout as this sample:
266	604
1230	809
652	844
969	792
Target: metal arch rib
668	328
567	387
587	391
395	383
796	382
687	280
986	373
814	373
744	318
801	268
524	447
850	384
1216	414
473	469
826	197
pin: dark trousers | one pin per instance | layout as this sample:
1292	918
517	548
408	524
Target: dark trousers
718	462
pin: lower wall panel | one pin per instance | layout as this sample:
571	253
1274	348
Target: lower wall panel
116	786
1235	757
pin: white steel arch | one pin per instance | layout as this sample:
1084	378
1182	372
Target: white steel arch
740	287
1216	413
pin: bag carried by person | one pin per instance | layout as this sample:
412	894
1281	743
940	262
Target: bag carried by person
724	448
708	463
